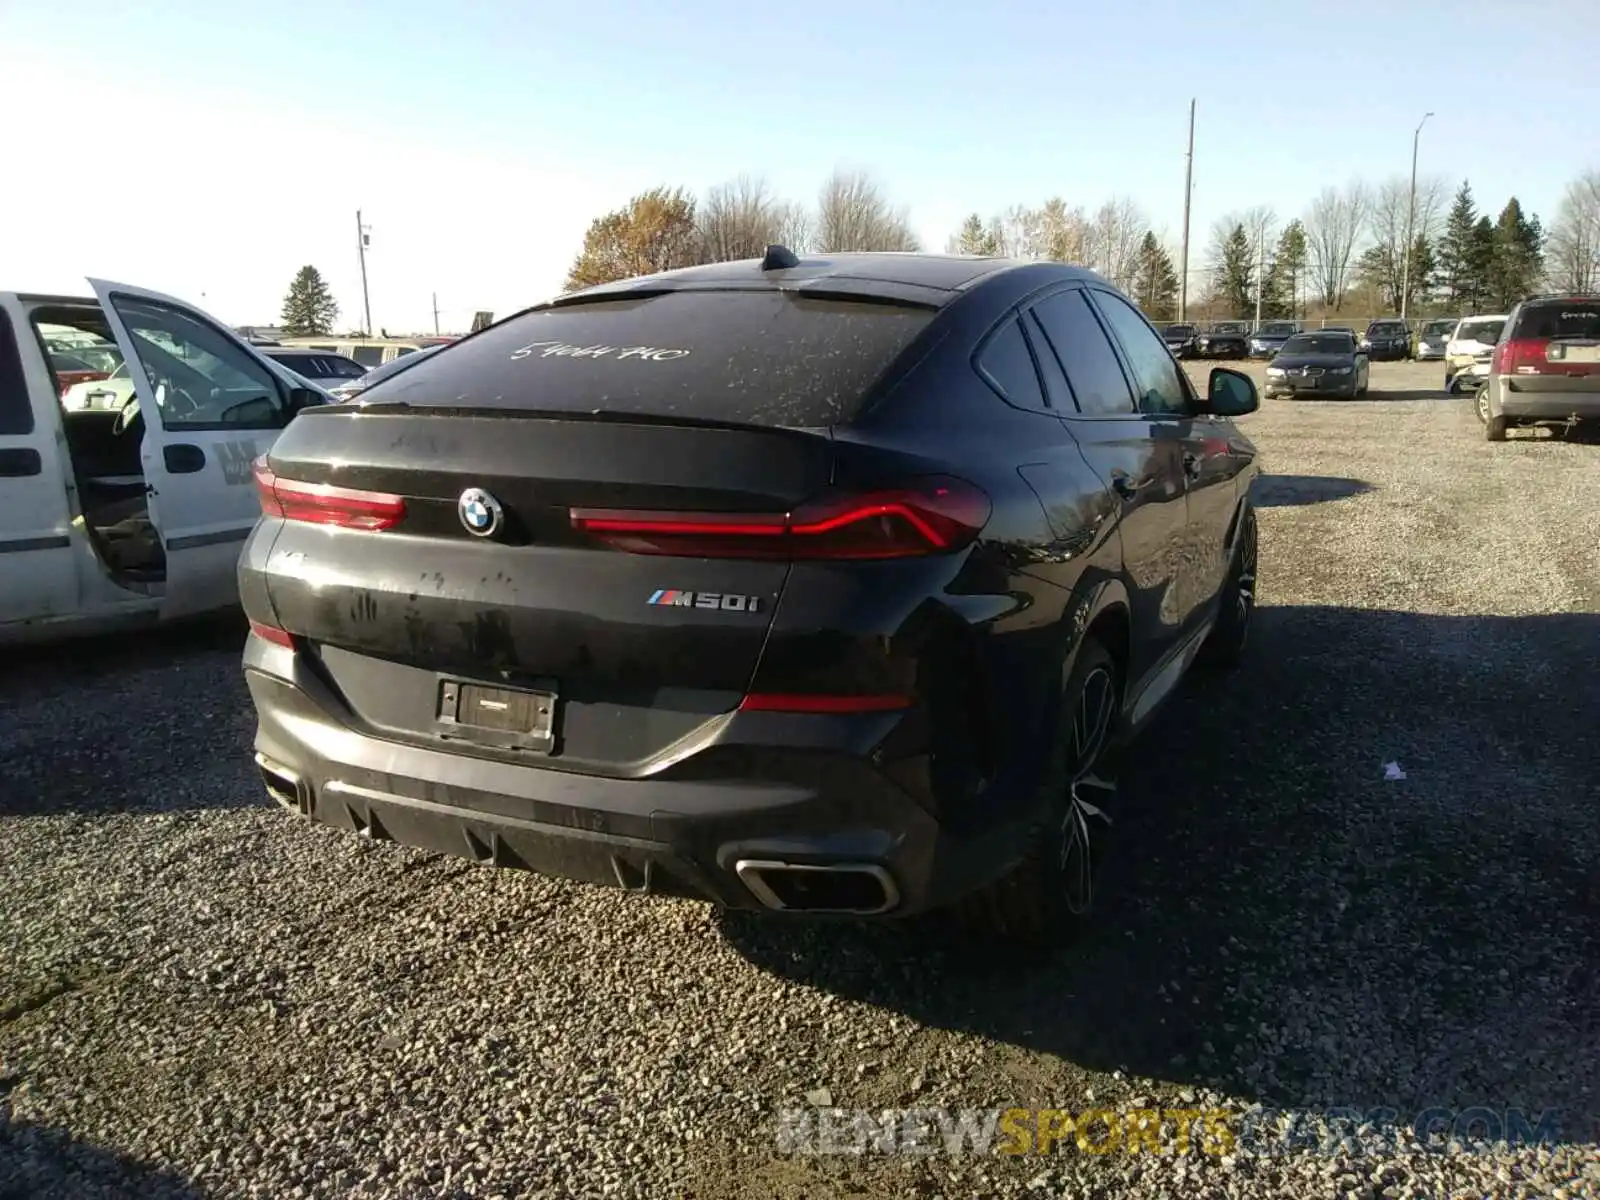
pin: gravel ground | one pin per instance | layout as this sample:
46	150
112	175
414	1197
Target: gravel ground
201	996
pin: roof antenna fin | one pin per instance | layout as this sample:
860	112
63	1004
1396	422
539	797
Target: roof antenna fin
779	258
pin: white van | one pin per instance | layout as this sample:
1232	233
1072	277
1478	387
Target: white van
136	513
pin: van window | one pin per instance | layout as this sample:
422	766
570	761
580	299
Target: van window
201	376
16	413
367	356
1563	319
753	357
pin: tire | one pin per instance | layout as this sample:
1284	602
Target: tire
1224	648
1480	402
1047	896
1494	429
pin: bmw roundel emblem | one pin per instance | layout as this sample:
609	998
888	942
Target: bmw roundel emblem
480	513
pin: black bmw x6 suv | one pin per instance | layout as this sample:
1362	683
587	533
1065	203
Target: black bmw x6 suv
818	585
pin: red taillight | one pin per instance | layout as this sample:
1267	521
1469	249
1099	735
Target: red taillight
785	702
1522	353
324	504
271	633
928	516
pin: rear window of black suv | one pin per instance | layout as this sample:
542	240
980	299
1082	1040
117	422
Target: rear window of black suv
751	357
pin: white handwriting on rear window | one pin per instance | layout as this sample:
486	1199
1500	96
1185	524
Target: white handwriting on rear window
568	350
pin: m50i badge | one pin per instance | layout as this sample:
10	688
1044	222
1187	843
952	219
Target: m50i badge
724	601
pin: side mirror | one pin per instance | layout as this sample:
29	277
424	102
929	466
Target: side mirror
1231	393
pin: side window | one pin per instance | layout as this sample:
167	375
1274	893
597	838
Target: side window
201	377
1085	355
1007	363
405	350
368	356
1155	372
16	412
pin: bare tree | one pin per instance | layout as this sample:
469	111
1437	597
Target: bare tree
853	214
796	227
1113	238
1334	224
1017	232
1064	232
739	219
1390	213
1572	253
1261	227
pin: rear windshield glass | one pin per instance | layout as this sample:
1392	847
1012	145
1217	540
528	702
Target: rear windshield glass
751	357
1480	331
1386	327
1277	327
1318	343
1575	320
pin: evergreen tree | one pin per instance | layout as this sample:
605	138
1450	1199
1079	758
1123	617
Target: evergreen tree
1376	269
1235	285
1424	268
976	237
1285	274
1156	283
309	308
1516	262
1457	249
1480	264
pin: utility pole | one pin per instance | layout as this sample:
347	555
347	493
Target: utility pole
436	314
1188	190
361	253
1411	216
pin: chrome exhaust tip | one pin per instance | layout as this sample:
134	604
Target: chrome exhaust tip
859	889
282	784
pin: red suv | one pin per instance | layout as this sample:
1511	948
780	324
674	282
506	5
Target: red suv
1546	366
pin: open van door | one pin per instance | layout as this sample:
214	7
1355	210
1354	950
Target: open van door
211	404
38	564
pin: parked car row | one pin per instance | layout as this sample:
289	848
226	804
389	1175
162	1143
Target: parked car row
1385	340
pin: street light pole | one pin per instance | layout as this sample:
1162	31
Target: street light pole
1411	216
361	252
1188	191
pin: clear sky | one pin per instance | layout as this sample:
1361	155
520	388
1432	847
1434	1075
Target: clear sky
208	149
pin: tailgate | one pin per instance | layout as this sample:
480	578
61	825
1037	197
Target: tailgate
639	650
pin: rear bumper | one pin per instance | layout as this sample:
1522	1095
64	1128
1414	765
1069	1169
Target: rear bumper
677	836
1548	406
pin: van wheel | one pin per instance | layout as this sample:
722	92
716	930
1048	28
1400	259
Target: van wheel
1480	401
1046	896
